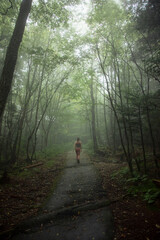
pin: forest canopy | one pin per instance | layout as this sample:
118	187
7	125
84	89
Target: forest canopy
80	68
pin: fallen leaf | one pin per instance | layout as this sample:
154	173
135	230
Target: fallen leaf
157	226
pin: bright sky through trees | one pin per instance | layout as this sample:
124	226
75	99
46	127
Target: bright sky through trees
79	15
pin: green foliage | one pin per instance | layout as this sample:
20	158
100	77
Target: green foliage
51	13
89	147
139	185
53	151
121	173
138	178
152	194
52	53
142	185
27	172
54	13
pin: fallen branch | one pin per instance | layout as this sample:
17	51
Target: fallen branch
59	213
156	181
33	165
67	211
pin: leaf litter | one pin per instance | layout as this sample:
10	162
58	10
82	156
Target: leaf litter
133	217
22	198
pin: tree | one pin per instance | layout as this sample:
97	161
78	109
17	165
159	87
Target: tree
94	135
12	53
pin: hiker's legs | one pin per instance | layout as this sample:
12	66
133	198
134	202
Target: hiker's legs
78	154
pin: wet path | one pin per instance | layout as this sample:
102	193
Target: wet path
67	213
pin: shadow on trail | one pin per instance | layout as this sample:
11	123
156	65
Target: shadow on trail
76	210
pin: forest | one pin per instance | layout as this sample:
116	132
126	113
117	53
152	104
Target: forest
83	68
88	69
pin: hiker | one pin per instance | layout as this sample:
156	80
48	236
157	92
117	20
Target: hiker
78	149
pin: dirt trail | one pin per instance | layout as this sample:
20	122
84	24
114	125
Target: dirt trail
72	211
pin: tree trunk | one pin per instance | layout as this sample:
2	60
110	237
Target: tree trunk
30	89
116	115
147	106
99	140
12	53
142	138
95	145
36	116
105	122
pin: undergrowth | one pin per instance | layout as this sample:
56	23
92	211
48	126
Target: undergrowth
55	150
56	161
138	185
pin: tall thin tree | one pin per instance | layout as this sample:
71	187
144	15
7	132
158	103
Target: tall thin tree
12	53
